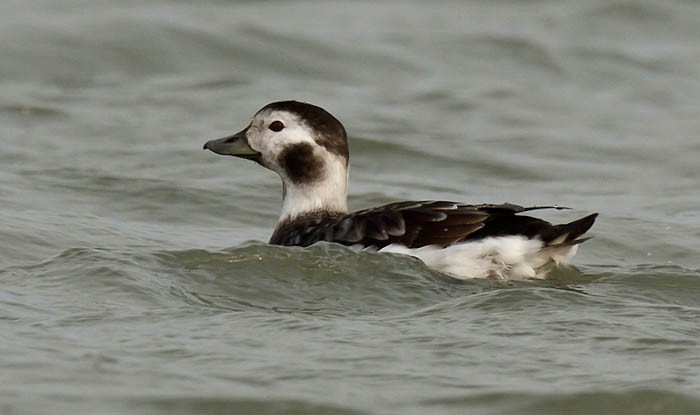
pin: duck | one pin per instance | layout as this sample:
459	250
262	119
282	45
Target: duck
308	148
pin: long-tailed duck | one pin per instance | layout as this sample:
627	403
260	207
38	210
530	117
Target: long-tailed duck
308	148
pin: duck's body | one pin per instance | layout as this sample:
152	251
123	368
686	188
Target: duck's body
307	147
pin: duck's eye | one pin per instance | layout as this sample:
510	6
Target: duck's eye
276	126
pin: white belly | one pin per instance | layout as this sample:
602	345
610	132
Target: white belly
507	257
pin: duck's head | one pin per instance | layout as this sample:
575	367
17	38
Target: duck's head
302	143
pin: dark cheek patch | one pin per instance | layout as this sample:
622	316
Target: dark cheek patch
300	163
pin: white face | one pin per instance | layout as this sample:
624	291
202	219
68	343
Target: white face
271	132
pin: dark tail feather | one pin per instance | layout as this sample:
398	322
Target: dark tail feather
571	231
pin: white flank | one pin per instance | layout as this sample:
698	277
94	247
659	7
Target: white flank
506	258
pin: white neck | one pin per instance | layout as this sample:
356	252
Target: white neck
328	194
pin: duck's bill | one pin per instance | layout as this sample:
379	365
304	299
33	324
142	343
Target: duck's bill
234	145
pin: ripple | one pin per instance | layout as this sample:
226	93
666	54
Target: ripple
184	405
325	279
520	50
622	402
32	111
637	12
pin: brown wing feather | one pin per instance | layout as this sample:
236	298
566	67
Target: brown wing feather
412	224
416	224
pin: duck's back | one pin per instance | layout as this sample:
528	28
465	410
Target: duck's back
423	223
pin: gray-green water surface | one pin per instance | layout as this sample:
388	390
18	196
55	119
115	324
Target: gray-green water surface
133	278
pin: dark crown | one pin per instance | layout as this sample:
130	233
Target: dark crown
330	132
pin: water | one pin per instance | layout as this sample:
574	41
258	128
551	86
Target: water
134	279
